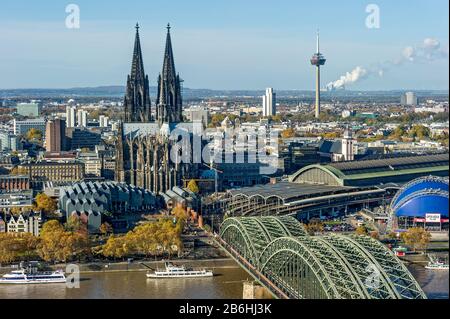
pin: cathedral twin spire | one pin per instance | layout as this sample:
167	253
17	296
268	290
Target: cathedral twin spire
137	97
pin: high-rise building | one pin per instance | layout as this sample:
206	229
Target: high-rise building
55	135
82	118
71	116
9	141
318	60
409	99
103	121
269	103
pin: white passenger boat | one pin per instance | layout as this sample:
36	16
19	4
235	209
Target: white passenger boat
173	271
25	276
436	264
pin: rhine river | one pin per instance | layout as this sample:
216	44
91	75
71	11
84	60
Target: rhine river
134	285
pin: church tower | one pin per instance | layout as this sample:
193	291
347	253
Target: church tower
347	145
137	96
169	101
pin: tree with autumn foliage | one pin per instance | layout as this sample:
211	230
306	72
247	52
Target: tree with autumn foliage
149	239
362	230
57	244
416	238
17	246
193	186
314	226
34	135
45	203
288	133
105	228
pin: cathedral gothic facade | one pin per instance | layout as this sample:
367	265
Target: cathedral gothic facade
144	145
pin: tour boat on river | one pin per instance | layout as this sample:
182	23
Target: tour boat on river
32	276
173	271
436	264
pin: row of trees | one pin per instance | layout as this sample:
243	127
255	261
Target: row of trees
62	243
150	239
56	242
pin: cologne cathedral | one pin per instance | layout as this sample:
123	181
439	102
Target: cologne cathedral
144	144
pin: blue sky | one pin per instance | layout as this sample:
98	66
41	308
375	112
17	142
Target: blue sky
220	44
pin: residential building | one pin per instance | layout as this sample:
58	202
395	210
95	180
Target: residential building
70	116
103	121
92	163
25	223
9	141
82	118
14	182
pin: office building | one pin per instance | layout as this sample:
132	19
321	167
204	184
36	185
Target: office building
269	103
22	127
29	109
81	137
409	99
55	135
46	171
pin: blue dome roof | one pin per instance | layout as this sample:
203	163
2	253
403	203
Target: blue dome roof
422	196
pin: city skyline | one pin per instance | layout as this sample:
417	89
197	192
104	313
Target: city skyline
228	47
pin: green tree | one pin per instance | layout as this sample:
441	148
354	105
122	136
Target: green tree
419	132
398	133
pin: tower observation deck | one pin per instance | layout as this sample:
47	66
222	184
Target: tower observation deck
317	60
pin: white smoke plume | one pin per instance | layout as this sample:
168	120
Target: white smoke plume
429	50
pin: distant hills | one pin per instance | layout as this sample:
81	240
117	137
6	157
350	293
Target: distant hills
116	91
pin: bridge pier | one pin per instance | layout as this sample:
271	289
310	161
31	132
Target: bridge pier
252	290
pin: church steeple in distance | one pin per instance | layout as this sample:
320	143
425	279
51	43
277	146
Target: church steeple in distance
169	101
137	96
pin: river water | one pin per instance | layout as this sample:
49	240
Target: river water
134	285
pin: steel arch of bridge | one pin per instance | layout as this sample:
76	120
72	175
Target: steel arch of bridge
333	266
